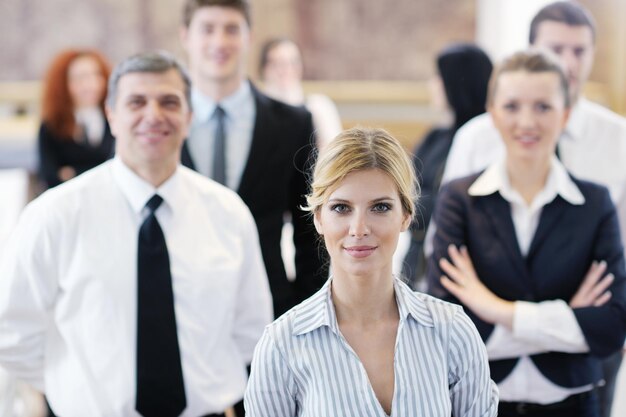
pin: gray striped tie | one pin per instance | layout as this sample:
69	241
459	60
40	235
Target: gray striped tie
219	150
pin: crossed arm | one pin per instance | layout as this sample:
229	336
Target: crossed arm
523	328
590	318
462	281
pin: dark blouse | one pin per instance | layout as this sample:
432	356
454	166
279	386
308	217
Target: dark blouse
55	153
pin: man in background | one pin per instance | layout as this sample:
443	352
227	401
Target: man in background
258	146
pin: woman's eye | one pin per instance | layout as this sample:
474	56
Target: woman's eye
543	107
511	107
381	207
339	208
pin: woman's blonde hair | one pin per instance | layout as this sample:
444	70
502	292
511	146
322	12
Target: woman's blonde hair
358	149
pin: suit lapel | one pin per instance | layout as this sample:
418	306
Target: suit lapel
498	213
185	156
260	148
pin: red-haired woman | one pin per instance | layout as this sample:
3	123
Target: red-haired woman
74	134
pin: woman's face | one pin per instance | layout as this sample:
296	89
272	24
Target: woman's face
361	222
86	82
284	67
528	109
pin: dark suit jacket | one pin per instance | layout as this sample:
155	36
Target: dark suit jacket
56	152
568	239
429	160
274	183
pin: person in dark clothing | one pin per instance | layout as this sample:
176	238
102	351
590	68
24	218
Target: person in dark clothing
532	253
74	135
463	73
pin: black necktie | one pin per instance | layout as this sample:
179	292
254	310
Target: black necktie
219	150
160	388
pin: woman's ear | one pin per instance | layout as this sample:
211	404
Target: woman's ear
406	222
317	221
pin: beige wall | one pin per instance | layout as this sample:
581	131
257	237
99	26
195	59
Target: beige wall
342	40
33	31
356	51
609	71
369	40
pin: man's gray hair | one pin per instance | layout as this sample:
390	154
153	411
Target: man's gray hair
156	62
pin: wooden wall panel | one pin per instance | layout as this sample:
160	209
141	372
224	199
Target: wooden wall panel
609	71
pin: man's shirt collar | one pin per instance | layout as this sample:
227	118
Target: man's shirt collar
138	191
204	106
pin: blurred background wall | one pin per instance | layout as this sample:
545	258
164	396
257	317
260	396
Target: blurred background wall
372	57
341	40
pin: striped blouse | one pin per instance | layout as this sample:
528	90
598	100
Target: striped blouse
303	366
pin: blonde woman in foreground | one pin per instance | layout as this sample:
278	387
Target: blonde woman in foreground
365	344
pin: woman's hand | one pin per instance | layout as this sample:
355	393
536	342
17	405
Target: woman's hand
462	282
593	289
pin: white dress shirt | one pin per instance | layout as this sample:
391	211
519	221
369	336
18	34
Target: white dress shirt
326	119
14	186
592	148
537	327
240	117
303	366
68	302
92	121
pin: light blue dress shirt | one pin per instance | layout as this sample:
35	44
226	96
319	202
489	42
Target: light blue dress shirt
240	112
303	366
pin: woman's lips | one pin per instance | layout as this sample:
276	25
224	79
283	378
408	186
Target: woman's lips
527	138
360	251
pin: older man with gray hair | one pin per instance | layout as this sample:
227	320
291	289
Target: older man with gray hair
137	288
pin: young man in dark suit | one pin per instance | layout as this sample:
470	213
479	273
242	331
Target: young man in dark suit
253	144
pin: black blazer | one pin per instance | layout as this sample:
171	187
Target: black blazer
274	183
54	153
568	239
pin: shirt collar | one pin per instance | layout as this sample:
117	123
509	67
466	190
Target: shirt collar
495	179
319	311
138	191
315	312
412	304
575	127
204	106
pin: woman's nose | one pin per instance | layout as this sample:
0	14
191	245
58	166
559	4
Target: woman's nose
526	118
359	225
